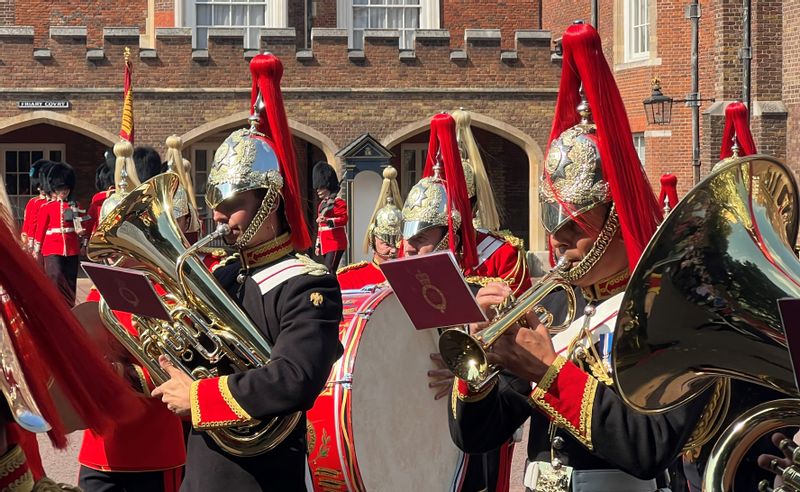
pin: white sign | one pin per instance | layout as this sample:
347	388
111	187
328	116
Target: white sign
63	104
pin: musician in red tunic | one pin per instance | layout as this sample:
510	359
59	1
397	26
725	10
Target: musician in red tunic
331	216
58	225
383	237
437	216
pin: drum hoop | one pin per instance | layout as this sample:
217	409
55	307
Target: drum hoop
343	423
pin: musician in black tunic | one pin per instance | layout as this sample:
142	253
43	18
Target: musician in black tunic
295	303
600	212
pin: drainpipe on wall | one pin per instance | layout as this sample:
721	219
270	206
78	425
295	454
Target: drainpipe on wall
746	55
594	13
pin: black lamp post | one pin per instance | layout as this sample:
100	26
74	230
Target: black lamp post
658	107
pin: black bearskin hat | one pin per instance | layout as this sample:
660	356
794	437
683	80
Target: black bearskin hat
147	161
104	175
38	172
59	176
324	176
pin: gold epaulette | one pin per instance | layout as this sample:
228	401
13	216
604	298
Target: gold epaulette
351	266
484	281
515	241
311	267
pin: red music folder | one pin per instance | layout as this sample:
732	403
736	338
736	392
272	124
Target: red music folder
432	290
127	290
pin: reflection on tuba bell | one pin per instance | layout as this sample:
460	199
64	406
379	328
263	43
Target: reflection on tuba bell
209	334
702	300
702	303
465	354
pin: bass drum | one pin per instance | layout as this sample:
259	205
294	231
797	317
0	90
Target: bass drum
376	426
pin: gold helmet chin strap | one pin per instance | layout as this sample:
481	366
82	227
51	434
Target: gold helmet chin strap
598	249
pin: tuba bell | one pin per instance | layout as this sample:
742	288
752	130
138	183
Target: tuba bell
702	304
209	335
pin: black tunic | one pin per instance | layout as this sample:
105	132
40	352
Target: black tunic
305	344
641	445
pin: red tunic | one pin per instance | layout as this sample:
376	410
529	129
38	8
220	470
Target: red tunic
498	258
359	275
55	230
152	442
94	210
331	235
29	220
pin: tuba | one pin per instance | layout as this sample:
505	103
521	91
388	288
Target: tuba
701	302
208	335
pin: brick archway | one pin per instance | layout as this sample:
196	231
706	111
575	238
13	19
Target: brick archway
512	134
237	119
60	120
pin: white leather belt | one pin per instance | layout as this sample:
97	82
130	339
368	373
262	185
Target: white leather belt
60	230
326	228
600	481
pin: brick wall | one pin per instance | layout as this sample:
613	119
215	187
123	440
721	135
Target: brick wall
6	12
325	13
93	14
506	15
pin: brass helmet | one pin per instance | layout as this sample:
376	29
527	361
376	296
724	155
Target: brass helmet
387	219
243	163
261	157
426	206
573	181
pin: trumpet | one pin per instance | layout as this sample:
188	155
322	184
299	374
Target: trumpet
465	354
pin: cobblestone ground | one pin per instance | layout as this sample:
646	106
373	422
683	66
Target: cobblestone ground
62	466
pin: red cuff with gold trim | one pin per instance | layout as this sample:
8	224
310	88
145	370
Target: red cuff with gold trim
566	395
214	406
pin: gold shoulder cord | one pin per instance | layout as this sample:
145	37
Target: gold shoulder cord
711	419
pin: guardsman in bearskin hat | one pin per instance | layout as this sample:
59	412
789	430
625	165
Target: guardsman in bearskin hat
34	204
147	452
383	237
58	225
331	216
600	211
295	302
44	346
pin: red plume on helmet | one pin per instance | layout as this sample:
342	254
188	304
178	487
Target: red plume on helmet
443	143
51	343
669	190
736	126
267	71
584	63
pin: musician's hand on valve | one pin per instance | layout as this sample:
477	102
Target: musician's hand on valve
528	353
770	462
441	378
491	296
175	392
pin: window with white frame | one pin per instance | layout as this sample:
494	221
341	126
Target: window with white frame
638	143
637	30
15	165
413	158
202	158
405	16
249	15
400	15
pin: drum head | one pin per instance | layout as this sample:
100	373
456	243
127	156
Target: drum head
400	432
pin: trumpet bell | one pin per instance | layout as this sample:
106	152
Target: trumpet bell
465	356
701	302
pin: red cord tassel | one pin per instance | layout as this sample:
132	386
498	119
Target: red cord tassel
267	71
443	142
583	61
669	189
736	124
